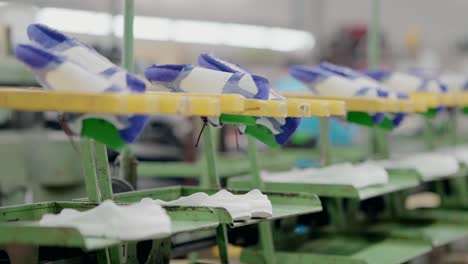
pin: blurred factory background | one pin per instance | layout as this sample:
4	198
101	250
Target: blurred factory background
264	35
41	163
255	32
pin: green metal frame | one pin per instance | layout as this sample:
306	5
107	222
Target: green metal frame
407	243
284	204
28	230
384	242
98	187
184	219
346	250
397	182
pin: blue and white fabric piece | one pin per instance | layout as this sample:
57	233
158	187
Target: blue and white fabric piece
282	128
142	220
186	78
366	81
219	77
63	63
408	82
321	81
455	82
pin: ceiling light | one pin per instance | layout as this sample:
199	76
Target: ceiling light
185	31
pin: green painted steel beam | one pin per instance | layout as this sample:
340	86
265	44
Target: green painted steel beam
102	171
90	174
253	162
209	178
264	228
373	40
378	137
127	51
127	160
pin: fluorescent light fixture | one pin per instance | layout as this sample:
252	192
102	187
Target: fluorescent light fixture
185	31
81	22
238	35
190	31
288	39
146	28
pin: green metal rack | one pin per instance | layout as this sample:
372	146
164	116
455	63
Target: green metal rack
347	250
393	239
29	232
346	242
284	205
397	182
19	223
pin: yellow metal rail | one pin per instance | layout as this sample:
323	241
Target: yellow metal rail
151	103
230	103
108	103
405	106
417	103
462	99
392	105
433	100
449	99
337	108
352	104
308	108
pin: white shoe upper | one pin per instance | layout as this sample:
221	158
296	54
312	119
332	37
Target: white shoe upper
143	220
240	207
357	175
459	152
429	165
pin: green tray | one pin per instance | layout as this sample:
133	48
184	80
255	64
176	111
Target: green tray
437	233
457	216
187	219
30	233
284	204
462	172
397	182
341	249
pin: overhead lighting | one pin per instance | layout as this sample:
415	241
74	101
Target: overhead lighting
185	31
239	35
288	39
202	32
73	21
